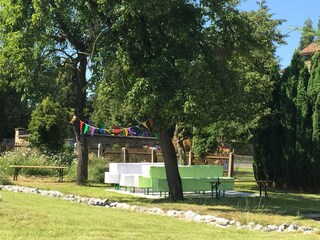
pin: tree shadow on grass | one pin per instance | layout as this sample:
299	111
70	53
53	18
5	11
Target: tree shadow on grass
278	203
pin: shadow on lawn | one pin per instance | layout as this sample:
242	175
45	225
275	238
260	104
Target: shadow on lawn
278	203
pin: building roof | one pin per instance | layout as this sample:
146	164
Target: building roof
310	49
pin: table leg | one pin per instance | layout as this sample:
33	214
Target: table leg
264	186
260	189
215	185
16	173
60	171
265	190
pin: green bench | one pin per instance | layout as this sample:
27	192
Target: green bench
194	178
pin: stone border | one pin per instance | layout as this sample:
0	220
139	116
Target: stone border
187	215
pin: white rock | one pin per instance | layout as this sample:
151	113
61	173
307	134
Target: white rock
292	228
123	205
271	228
190	215
222	221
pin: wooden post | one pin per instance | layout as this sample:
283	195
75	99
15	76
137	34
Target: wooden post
153	155
125	154
230	164
100	149
190	158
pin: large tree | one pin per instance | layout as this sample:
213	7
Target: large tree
173	61
187	62
46	47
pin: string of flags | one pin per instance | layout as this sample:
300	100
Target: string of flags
141	129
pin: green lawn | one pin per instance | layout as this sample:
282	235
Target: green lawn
27	216
24	216
281	207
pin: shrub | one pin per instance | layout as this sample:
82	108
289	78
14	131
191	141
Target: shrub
96	168
116	147
34	157
3	177
49	126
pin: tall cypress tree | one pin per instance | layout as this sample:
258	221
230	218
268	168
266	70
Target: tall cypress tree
267	139
282	144
303	129
314	98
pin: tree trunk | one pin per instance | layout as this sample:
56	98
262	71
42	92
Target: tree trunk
82	144
171	164
180	147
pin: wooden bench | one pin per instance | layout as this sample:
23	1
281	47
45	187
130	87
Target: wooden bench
263	185
17	169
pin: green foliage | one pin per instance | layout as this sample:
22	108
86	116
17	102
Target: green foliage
307	34
174	73
34	157
287	143
205	141
49	126
3	178
30	157
96	168
14	112
116	147
172	61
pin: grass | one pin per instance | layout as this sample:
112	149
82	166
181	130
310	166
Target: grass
45	218
27	216
281	207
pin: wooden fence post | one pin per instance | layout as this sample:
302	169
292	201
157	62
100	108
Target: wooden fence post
125	154
100	149
190	158
230	164
153	155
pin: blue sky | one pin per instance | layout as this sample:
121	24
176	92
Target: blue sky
295	12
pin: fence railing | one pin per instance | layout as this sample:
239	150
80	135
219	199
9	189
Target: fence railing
243	158
229	162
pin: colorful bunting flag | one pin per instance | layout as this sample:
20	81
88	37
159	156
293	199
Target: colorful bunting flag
73	119
126	131
86	128
81	125
92	130
116	130
136	130
101	128
145	125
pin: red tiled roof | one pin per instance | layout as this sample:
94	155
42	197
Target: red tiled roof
309	50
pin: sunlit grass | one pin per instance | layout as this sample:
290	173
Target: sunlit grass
281	207
28	216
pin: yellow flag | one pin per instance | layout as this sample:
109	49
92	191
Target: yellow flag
73	119
126	131
145	125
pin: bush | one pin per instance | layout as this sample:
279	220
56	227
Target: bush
34	157
49	126
3	177
96	168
